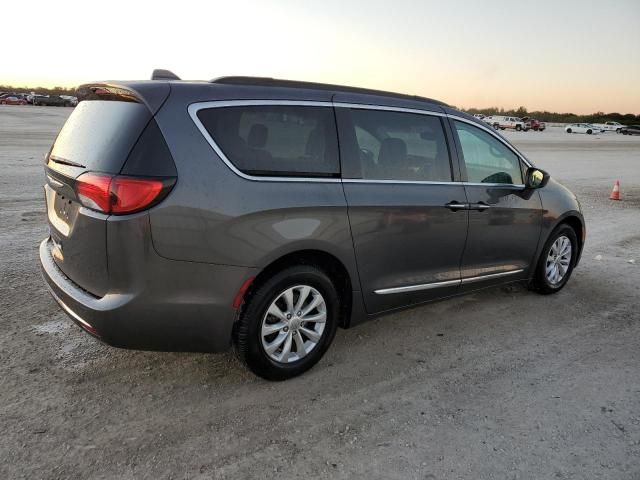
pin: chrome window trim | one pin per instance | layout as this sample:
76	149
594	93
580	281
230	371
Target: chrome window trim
426	182
448	283
388	108
194	108
400	182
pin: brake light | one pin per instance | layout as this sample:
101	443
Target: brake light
118	195
133	194
93	191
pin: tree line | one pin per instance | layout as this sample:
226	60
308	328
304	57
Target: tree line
546	116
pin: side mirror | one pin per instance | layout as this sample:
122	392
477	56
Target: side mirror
536	178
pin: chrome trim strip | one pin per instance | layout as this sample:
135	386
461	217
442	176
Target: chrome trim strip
479	184
195	107
426	182
493	133
480	278
388	108
53	182
448	283
67	309
408	182
414	288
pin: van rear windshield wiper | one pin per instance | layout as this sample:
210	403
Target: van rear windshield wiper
64	161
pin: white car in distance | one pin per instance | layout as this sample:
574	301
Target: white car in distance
582	128
609	126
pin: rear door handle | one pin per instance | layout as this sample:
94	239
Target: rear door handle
481	206
455	206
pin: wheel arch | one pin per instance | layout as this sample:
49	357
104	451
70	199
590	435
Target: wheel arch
329	263
576	222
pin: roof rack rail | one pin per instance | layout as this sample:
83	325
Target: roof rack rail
161	74
275	82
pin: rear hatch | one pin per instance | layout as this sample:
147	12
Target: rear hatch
96	141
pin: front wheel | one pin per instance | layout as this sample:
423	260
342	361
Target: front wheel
556	261
589	132
569	130
518	128
288	322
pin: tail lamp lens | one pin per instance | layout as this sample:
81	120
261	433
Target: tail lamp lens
133	194
118	194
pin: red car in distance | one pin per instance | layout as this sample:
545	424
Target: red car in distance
11	99
533	124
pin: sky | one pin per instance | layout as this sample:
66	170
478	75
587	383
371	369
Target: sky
580	56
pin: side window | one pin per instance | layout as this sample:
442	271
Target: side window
276	140
487	160
401	146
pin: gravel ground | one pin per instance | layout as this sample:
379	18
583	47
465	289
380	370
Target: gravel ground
498	384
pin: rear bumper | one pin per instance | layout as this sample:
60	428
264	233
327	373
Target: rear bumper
174	306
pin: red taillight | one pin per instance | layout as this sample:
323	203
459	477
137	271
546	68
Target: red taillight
119	194
93	191
133	194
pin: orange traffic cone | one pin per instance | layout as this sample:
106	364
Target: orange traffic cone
615	193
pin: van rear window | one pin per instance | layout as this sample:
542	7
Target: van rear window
276	140
99	135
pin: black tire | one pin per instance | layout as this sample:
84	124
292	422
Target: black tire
540	282
589	132
617	130
569	130
518	128
247	330
496	126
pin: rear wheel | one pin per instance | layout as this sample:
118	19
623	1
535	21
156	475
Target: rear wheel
556	261
287	323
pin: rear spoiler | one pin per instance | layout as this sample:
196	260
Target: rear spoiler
152	94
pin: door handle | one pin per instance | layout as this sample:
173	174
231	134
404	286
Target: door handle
455	206
480	206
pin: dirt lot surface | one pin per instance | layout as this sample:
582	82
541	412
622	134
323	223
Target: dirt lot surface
500	384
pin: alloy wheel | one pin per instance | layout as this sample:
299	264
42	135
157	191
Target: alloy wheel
293	324
558	260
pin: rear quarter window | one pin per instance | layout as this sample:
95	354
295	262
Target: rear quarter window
274	140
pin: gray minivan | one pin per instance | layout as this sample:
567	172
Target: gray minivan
190	216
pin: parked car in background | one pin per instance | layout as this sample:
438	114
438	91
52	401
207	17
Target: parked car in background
52	101
533	124
197	215
582	128
479	116
609	126
73	101
13	99
630	130
501	122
